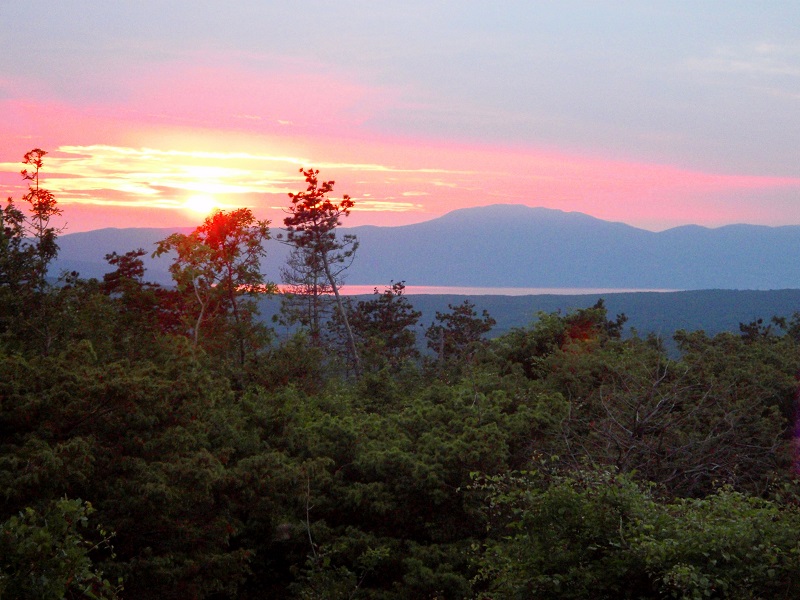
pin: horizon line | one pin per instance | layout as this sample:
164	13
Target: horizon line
473	209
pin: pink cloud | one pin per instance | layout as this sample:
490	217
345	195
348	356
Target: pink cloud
269	121
266	100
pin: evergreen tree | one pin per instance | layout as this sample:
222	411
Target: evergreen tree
307	294
456	335
384	328
27	247
311	229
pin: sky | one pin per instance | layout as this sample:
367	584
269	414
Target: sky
656	114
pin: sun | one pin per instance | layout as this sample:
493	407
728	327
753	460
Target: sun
201	204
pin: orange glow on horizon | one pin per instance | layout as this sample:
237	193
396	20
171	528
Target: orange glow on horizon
143	173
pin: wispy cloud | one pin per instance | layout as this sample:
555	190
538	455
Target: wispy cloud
386	206
389	169
761	59
407	180
146	177
155	178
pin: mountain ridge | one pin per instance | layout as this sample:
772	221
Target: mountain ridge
517	246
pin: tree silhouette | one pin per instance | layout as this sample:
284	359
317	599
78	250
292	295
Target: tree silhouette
306	293
384	327
311	229
218	268
27	247
43	208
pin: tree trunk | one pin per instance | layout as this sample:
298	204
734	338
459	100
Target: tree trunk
351	340
236	318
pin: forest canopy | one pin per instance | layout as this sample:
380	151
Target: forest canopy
166	442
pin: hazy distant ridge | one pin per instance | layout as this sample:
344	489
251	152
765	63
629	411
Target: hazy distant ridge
518	246
505	245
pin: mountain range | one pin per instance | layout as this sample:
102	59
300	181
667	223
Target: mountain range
517	246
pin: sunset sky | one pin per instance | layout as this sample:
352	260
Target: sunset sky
656	114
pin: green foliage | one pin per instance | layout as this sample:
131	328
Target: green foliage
575	332
307	295
295	361
383	328
217	270
727	545
232	468
142	312
719	414
155	447
46	555
27	247
311	230
394	479
16	252
456	336
597	534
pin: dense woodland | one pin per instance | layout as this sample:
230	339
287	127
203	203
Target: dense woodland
164	442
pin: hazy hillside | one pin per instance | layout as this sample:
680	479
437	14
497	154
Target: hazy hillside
85	252
518	246
662	313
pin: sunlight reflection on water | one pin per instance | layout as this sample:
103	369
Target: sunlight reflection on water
353	290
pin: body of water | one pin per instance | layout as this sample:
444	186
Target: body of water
353	290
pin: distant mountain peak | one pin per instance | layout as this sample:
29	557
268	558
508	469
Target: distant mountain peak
521	215
514	245
506	210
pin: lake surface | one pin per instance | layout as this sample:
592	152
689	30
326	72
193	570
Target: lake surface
353	290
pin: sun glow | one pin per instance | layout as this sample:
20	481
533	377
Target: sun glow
201	204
